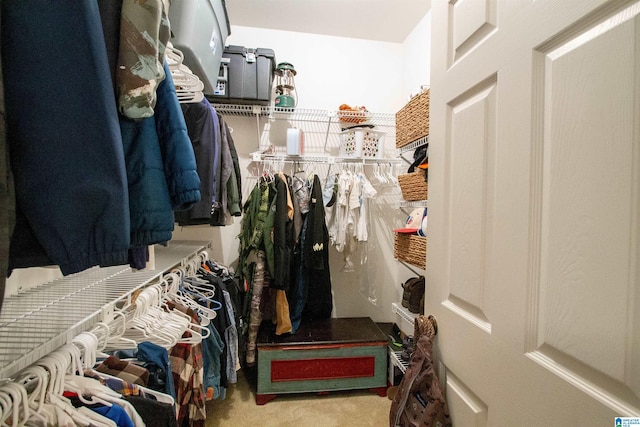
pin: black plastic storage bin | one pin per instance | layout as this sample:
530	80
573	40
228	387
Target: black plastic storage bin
245	77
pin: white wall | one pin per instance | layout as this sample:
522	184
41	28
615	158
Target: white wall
416	56
333	70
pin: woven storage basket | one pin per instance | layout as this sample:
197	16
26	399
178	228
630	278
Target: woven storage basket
413	185
411	249
412	121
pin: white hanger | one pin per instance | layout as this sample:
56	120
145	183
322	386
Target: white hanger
188	86
115	339
54	391
174	56
36	377
393	180
161	397
19	408
88	344
149	323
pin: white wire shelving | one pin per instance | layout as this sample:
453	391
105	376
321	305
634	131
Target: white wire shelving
413	145
316	158
304	114
396	360
35	322
407	319
412	204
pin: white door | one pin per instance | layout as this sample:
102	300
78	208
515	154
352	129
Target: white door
533	260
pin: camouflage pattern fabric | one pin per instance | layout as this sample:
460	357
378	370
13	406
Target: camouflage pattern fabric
144	34
255	318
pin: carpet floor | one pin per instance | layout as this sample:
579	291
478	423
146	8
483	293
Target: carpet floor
335	409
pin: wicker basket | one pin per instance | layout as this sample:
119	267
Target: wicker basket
412	121
413	185
411	249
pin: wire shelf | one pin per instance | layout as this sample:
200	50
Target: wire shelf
35	322
413	145
412	204
408	318
396	360
301	114
259	157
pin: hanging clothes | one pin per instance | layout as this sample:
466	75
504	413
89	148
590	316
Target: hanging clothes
281	235
204	133
154	412
285	220
218	165
71	191
234	185
316	258
187	367
367	192
228	193
161	168
348	217
255	316
277	243
219	210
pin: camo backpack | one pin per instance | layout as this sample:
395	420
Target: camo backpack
420	401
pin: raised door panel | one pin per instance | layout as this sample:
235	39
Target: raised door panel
471	146
589	218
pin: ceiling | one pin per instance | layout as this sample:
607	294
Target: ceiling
381	20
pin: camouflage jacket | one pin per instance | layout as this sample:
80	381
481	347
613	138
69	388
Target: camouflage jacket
144	34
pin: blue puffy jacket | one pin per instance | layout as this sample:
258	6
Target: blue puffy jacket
161	167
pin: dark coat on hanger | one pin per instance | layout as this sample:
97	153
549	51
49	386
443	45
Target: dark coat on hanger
204	132
64	138
282	236
316	258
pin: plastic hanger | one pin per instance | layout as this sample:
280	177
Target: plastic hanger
75	371
160	397
393	180
149	323
88	344
34	378
115	339
54	396
19	408
174	56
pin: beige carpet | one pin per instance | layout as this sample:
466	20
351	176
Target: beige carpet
335	409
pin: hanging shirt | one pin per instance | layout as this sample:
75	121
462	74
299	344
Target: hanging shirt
188	371
367	192
345	182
